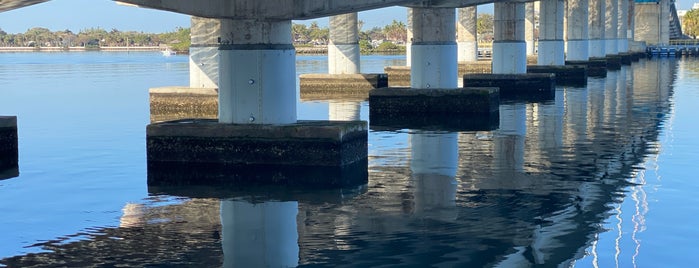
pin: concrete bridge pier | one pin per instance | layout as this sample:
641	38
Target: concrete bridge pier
9	153
433	50
200	98
577	34
509	65
344	78
529	21
343	50
433	97
611	35
622	30
551	45
257	127
551	55
597	52
466	34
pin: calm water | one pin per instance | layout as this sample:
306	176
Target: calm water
601	176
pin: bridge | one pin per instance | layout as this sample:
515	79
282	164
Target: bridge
242	50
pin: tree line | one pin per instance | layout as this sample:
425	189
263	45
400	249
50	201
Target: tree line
178	39
389	37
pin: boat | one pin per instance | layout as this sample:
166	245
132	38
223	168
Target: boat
168	52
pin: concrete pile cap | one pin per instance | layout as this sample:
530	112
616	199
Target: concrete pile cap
334	130
8	121
406	91
183	90
510	76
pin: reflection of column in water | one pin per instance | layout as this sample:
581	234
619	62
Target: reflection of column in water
344	110
595	106
610	98
259	235
133	215
509	140
434	158
545	124
575	120
621	94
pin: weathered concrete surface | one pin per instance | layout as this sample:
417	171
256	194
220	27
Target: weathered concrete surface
458	109
613	62
567	75
346	86
596	67
172	103
537	86
9	153
7	5
248	153
270	9
626	58
399	76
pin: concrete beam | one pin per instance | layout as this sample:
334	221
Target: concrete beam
293	9
8	5
269	9
459	3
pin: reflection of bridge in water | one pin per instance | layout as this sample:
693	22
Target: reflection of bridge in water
535	191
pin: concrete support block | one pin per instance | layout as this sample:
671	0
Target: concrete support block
477	67
172	103
307	153
398	76
596	67
9	152
626	58
453	109
516	86
613	62
346	86
566	75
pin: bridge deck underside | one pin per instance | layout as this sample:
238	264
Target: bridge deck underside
6	5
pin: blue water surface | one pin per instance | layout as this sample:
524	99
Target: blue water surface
599	176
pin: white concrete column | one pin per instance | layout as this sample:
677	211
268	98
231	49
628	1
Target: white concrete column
343	49
652	22
434	159
529	21
259	235
577	42
596	29
203	53
631	20
623	30
551	45
409	38
433	54
344	110
257	73
466	34
665	22
611	27
509	48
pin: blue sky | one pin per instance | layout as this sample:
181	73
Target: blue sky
63	14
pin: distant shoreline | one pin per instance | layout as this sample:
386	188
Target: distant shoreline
317	50
79	49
